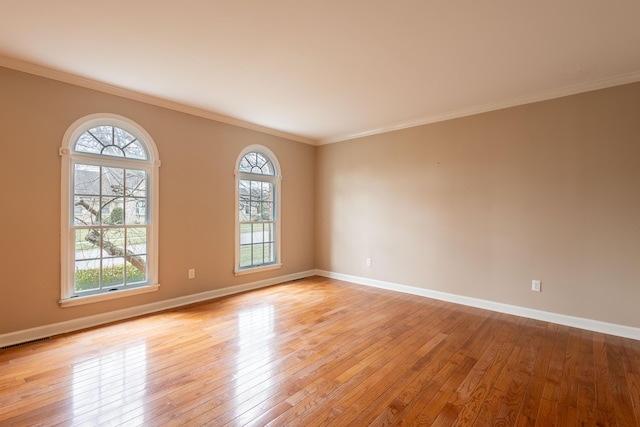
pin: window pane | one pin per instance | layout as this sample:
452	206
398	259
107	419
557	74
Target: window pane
135	211
112	211
245	256
113	242
134	274
112	182
244	190
255	211
136	184
266	211
137	241
87	143
86	275
112	272
256	190
243	187
263	191
268	253
86	179
245	234
104	134
135	150
268	232
258	256
87	244
267	191
244	209
245	165
86	210
122	138
258	233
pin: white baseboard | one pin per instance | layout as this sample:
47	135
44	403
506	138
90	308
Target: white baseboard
561	319
112	316
99	319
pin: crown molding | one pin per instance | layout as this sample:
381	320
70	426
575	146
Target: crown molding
38	70
513	102
61	76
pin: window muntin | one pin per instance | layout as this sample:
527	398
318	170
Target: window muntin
110	176
110	141
256	163
257	215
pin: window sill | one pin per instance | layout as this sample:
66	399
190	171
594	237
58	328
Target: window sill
242	271
90	299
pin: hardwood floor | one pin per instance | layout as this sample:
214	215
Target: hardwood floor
318	352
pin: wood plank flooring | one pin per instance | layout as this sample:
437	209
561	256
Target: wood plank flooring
320	352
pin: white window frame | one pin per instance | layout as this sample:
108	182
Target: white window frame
276	180
69	158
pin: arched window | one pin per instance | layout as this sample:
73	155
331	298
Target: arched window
109	210
258	211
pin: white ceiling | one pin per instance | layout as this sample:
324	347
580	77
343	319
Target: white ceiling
328	70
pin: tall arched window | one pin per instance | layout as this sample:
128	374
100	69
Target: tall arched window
258	211
109	210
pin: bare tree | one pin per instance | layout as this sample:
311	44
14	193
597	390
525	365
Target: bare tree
93	237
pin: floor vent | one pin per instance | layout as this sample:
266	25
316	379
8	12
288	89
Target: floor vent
24	343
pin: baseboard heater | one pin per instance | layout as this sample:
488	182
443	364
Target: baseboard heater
24	343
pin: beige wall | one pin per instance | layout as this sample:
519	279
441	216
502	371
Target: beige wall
196	198
480	206
476	206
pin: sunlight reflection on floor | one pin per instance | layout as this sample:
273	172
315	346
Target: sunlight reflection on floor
254	370
101	384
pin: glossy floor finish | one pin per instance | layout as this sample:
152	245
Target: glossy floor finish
319	352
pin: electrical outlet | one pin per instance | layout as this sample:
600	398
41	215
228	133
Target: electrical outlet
192	273
535	285
368	262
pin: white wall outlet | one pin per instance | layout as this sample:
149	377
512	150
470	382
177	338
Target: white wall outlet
368	262
535	285
192	273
